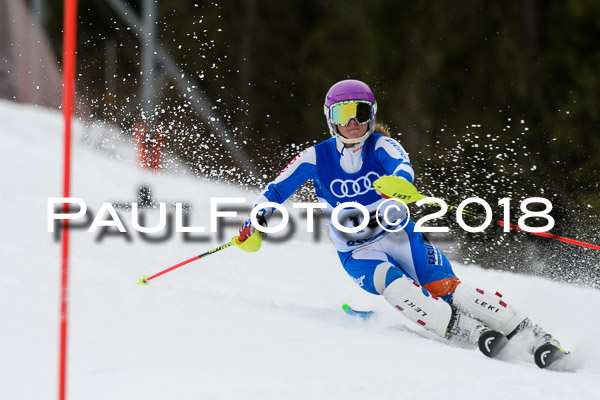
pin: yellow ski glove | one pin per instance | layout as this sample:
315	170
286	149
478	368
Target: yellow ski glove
250	238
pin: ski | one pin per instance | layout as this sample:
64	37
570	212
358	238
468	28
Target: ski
547	354
356	313
491	343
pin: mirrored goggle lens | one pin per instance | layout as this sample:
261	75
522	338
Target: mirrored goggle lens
342	113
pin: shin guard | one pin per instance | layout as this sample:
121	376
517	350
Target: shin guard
418	305
488	308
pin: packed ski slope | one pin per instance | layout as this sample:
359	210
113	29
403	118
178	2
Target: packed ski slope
267	325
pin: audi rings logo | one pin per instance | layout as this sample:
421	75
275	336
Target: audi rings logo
353	187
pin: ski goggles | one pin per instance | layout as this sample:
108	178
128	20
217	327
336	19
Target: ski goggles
341	113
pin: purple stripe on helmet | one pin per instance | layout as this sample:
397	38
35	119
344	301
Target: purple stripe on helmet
349	89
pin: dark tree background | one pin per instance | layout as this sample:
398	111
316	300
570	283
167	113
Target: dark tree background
490	98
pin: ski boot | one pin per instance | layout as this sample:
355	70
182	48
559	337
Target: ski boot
546	349
469	332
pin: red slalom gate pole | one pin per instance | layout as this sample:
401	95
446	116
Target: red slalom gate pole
551	236
144	280
68	101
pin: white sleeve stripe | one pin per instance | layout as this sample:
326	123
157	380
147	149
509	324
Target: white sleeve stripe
392	147
262	199
407	168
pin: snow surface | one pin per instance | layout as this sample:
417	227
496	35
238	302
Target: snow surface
267	325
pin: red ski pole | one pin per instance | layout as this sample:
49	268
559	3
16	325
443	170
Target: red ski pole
394	187
144	280
551	236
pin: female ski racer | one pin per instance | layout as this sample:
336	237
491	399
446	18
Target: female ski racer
405	267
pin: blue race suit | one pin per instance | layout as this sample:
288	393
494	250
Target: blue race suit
373	257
